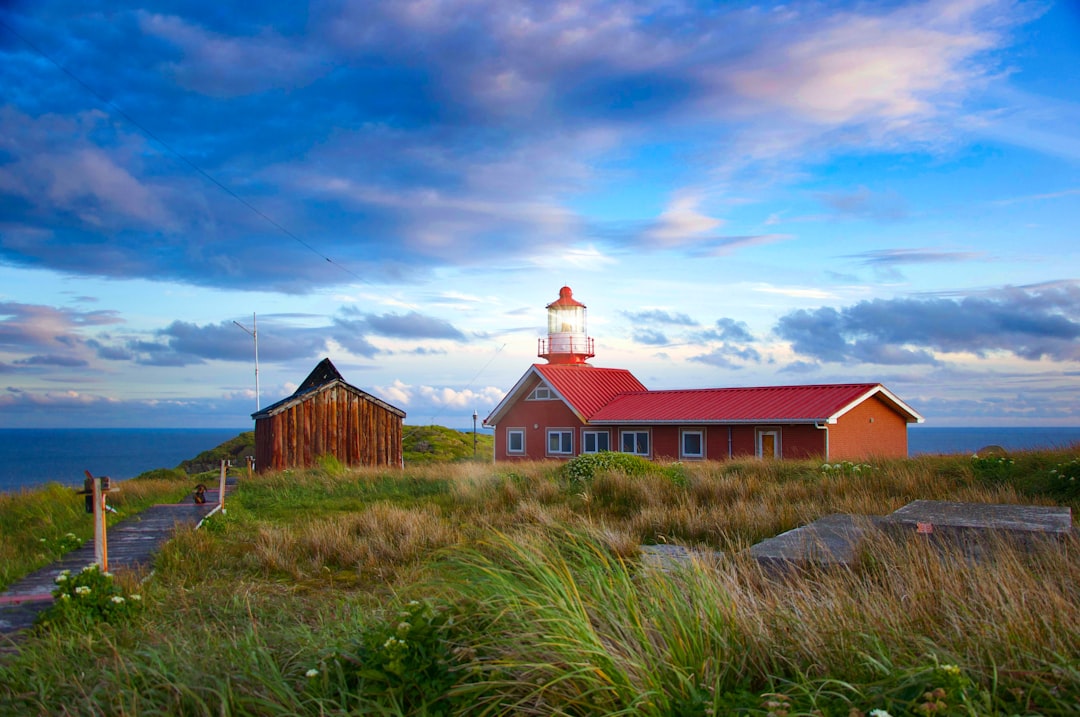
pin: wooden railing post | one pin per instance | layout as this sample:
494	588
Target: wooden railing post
97	495
221	487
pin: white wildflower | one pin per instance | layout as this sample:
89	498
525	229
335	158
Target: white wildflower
117	599
879	713
312	673
82	589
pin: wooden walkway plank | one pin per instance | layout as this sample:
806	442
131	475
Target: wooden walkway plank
131	543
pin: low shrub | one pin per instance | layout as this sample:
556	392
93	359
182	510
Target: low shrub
88	597
585	467
992	469
163	474
406	659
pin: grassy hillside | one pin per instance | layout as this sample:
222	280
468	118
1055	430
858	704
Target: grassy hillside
235	450
438	444
520	589
420	444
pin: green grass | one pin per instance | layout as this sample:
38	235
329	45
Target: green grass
467	588
39	526
438	444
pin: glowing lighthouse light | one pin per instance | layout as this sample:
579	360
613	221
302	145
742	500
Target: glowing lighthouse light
567	341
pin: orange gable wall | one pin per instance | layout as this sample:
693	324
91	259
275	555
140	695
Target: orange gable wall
869	430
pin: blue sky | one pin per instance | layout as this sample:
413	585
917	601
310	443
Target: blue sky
742	194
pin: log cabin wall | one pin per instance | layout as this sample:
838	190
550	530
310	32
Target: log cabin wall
334	419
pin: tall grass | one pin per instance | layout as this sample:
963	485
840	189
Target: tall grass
567	624
287	603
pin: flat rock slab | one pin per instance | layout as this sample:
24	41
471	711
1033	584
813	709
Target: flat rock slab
929	516
831	541
677	557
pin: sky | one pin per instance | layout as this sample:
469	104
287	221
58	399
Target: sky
742	194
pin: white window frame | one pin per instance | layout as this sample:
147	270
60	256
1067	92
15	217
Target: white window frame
542	392
566	441
700	433
637	444
509	441
760	433
585	435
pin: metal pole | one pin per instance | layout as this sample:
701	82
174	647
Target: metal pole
474	417
254	333
255	337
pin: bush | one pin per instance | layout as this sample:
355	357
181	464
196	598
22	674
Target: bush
163	474
585	467
992	469
406	661
88	597
845	468
1063	480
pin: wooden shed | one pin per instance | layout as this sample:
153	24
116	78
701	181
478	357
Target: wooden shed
327	417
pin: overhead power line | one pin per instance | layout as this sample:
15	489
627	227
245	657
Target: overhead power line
169	148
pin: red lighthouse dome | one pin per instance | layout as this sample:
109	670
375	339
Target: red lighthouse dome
567	341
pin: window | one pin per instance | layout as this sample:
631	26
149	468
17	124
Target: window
515	440
595	441
560	442
693	444
636	442
541	393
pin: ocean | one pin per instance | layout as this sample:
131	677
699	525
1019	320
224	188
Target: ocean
31	456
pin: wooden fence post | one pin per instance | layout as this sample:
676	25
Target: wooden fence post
221	487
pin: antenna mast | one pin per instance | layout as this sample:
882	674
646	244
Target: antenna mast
254	333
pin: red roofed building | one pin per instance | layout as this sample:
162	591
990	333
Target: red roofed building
567	407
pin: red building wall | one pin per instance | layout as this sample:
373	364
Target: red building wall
802	441
869	430
543	415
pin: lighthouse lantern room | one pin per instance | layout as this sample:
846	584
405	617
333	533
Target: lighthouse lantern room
567	342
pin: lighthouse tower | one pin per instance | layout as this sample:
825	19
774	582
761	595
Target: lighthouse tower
567	342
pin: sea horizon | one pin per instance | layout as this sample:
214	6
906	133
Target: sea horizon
31	457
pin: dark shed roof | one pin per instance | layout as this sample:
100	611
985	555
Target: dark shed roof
325	374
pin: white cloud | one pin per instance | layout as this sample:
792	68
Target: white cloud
403	394
227	66
793	291
576	257
681	222
891	68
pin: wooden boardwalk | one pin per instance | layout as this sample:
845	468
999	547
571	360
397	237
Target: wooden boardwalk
131	543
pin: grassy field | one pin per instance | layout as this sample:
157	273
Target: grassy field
468	588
